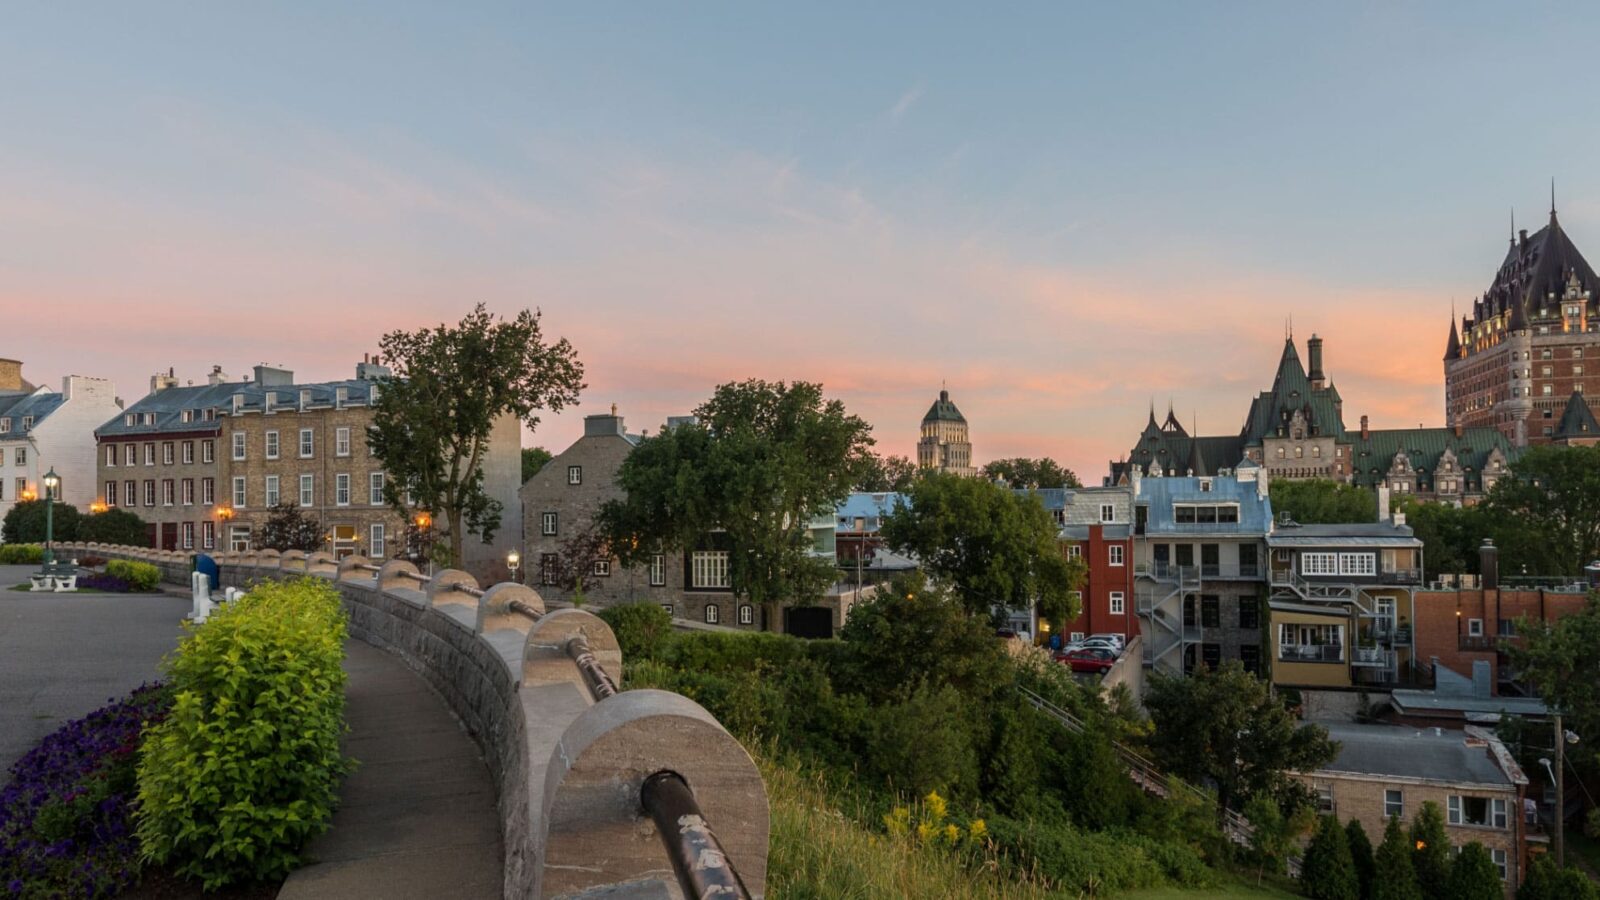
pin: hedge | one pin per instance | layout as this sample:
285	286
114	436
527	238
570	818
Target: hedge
246	768
140	576
21	554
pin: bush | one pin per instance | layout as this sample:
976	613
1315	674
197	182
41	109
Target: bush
642	629
65	819
21	554
1074	860
140	576
246	768
114	526
25	523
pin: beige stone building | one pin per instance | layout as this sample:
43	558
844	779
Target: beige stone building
1384	771
944	444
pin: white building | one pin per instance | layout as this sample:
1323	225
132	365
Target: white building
41	429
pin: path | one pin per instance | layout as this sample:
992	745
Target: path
418	817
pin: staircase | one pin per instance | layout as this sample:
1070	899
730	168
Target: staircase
1151	780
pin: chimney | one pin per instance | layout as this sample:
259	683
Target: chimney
1315	376
217	376
1489	565
1459	429
161	381
602	425
369	369
1383	503
11	375
267	376
1365	433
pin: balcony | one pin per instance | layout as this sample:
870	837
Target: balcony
1384	631
1376	657
1401	576
1161	571
1484	642
1230	570
1328	653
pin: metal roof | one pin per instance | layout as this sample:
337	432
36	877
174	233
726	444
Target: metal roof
1387	750
1159	495
168	405
943	410
1408	700
18	406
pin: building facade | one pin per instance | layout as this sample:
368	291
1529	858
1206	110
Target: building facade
43	430
1097	526
1530	342
945	444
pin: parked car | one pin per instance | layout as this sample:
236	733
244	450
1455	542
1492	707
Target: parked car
1097	660
1096	643
1120	640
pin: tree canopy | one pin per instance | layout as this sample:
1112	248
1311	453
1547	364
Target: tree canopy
1022	472
114	526
1554	498
451	386
1474	876
1393	876
887	473
1327	871
996	547
1430	853
758	463
1321	501
1224	726
533	459
25	522
289	528
1560	660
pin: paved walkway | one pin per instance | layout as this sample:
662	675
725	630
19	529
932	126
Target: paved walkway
417	818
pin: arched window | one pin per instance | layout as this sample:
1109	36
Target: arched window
747	614
713	615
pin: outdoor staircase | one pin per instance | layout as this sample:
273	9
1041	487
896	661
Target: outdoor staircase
1152	781
1160	595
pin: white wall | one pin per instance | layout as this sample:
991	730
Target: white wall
64	440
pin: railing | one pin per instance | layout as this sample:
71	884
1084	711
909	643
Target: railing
1230	570
1168	572
1401	576
697	856
1478	642
1311	653
1372	656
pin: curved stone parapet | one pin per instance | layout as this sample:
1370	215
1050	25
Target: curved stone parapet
292	561
496	613
444	588
397	573
545	659
322	563
353	568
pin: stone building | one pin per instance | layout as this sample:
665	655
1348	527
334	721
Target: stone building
159	459
944	444
1531	341
41	430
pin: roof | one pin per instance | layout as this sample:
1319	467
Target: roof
871	507
1532	270
18	406
1291	392
943	410
1372	456
1434	755
1373	534
168	405
1159	495
286	397
1577	420
1452	346
1408	700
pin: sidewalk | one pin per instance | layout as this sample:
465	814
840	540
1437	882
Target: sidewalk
418	816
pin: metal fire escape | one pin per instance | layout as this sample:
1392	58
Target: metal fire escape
1163	590
1380	663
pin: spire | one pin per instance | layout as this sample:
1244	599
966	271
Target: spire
1452	347
1513	226
1552	198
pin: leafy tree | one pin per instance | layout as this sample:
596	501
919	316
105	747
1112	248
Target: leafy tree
1022	472
761	459
1272	835
1317	501
1326	871
1474	876
575	559
1561	661
287	528
1394	877
1224	726
25	523
643	630
1555	498
996	547
533	459
451	387
1430	853
1546	881
1450	535
887	473
1360	855
915	631
114	526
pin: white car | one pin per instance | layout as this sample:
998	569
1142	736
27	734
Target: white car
1096	643
1119	640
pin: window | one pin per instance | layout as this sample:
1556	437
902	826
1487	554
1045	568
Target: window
1301	642
188	492
307	443
130	454
1479	812
188	535
238	492
150	454
1475	627
1108	513
272	491
1499	857
130	492
208	535
1249	613
1117	603
308	494
150	492
22	456
375	489
111	453
208	451
602	568
1394	804
1210	611
574	474
188	452
1250	658
169	492
186	415
713	615
166	453
341	489
1211	655
111	493
208	491
547	523
747	614
1324	799
27	422
1319	564
658	570
5	424
341	442
1357	564
1115	551
1075	637
709	569
22	488
272	445
377	548
1074	551
549	567
239	538
238	445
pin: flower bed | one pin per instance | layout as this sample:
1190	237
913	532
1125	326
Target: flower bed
66	825
101	582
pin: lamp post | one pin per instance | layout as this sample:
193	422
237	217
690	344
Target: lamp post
51	482
513	562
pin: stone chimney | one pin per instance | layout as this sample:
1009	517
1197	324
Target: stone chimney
1459	429
161	381
602	425
217	376
1383	503
272	375
1365	433
1489	565
11	375
1318	380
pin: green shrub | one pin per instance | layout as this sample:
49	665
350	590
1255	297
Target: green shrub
1073	860
642	629
30	521
21	554
246	768
114	526
140	576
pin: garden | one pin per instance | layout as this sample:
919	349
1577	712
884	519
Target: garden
96	574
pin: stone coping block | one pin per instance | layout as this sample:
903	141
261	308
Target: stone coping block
495	612
545	659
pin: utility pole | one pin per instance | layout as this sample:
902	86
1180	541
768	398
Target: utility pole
1561	794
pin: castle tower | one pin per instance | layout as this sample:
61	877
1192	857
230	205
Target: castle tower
944	444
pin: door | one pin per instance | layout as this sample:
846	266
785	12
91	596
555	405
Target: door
169	535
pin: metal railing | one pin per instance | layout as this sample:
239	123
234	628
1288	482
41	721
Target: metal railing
1478	642
1371	656
1311	653
1401	576
702	866
599	680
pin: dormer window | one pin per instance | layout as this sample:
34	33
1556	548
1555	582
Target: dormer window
27	422
129	419
187	415
5	424
1205	485
305	398
149	418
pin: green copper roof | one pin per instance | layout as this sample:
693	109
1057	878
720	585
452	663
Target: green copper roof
1372	456
1292	392
943	410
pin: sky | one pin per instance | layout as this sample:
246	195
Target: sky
1063	212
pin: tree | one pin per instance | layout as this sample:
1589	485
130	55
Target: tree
1318	501
1224	726
747	476
575	559
1554	495
1360	855
1326	871
533	459
887	473
1022	472
451	387
114	526
1430	853
1547	881
916	631
996	547
1474	876
1450	535
287	528
25	523
1560	660
1394	877
1272	835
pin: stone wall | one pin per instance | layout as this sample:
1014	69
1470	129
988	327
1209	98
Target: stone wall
567	756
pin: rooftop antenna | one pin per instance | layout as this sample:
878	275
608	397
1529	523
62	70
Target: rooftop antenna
1513	226
1552	196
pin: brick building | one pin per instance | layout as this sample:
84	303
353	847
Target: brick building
1097	525
1530	342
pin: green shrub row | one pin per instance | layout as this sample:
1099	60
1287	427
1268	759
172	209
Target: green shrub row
21	554
246	767
140	576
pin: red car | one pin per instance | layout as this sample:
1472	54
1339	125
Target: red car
1088	659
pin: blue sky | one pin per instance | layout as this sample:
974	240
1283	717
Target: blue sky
1063	210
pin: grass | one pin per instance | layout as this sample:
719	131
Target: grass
1581	847
1234	886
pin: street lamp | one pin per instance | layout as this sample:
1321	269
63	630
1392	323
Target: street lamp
513	562
51	482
